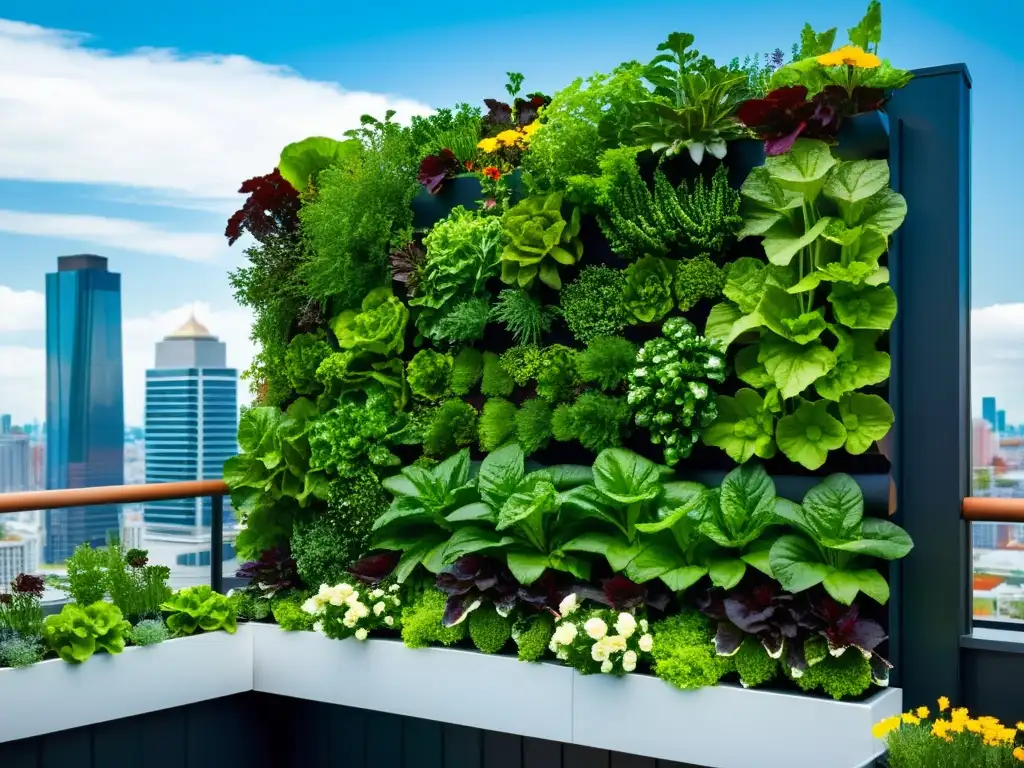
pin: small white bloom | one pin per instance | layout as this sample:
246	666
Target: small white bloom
568	605
625	624
377	594
646	643
599	652
565	633
596	628
629	661
553	645
643	625
606	666
378	609
397	601
393	588
563	654
615	643
361	634
230	593
311	606
389	620
319	627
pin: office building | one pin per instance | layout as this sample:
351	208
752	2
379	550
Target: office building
15	463
84	398
5	423
19	553
191	423
988	410
1000	422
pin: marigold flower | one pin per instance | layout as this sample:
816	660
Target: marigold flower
1020	727
851	56
509	138
488	145
492	173
923	712
1019	753
883	728
529	130
943	703
469	165
911	719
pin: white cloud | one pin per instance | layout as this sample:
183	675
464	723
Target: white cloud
128	235
997	358
21	311
191	126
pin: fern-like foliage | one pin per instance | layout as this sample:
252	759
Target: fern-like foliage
523	315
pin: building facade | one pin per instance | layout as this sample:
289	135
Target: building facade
988	410
15	463
84	398
18	554
191	424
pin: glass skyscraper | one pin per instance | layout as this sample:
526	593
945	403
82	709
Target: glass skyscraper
988	411
84	398
191	423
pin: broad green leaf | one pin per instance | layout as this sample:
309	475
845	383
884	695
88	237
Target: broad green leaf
414	556
855	181
567	476
679	579
761	189
477	511
651	561
749	370
783	241
873	584
586	501
453	472
843	586
803	169
680	493
868	32
527	509
744	427
780	312
794	367
758	555
867	419
526	566
859	364
797	563
406	509
303	160
884	212
726	572
807	283
855	273
626	477
744	282
433	560
726	323
243	471
616	550
501	472
400	485
257	434
746	507
863	306
879	538
807	435
470	539
833	510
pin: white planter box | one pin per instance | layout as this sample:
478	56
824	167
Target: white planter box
54	695
727	726
498	693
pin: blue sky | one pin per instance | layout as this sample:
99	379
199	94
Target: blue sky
123	148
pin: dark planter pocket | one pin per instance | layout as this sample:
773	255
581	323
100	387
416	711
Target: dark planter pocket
428	209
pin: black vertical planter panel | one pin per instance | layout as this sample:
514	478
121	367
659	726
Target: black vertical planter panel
930	259
347	729
463	747
993	681
424	743
502	750
575	756
541	753
20	754
66	748
384	740
620	760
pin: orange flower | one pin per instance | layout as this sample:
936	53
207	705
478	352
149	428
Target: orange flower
469	165
851	56
492	173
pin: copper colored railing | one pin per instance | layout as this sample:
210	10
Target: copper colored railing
985	510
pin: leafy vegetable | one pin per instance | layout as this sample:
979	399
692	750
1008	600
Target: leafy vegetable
648	293
302	161
429	374
539	239
77	632
199	608
592	303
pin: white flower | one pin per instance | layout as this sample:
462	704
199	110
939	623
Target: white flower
565	633
606	666
319	627
230	593
625	625
553	645
311	606
351	617
629	661
361	634
643	625
596	628
568	605
393	588
389	620
615	643
599	652
378	609
377	594
397	601
563	654
646	643
352	600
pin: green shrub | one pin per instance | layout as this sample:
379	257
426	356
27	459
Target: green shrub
595	421
250	607
429	374
289	615
496	383
489	631
199	608
607	361
521	362
754	665
556	374
840	677
533	425
149	632
421	622
77	632
467	370
497	424
684	651
532	635
20	651
592	304
696	279
453	426
304	355
87	575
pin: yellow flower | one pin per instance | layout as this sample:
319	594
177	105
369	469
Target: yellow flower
881	729
529	130
1020	727
509	138
923	712
943	703
488	145
852	56
1019	753
910	719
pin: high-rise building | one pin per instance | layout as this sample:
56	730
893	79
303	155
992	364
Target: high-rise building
191	422
15	463
5	423
1000	422
988	410
84	398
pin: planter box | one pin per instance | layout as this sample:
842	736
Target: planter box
506	695
727	726
54	695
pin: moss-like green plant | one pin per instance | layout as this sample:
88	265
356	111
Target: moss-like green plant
684	651
467	370
523	315
489	631
429	374
592	303
648	291
497	424
20	651
250	607
325	545
149	632
421	622
556	375
595	421
289	615
199	608
521	363
840	677
304	355
496	382
532	635
607	361
754	665
533	425
453	427
670	388
77	632
539	239
696	279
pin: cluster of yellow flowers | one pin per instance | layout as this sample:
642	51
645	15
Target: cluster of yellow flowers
851	56
992	732
513	137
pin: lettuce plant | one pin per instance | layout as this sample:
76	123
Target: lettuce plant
301	161
835	542
539	239
199	609
648	294
77	632
429	374
592	303
378	328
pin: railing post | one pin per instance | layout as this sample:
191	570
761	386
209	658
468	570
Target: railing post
217	543
930	265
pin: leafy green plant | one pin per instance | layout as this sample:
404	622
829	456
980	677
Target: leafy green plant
697	279
521	362
21	611
556	373
422	624
453	426
592	303
78	631
835	543
489	630
87	574
199	609
532	635
533	425
302	161
496	382
136	587
378	328
288	613
648	289
684	652
304	355
497	424
607	361
18	651
349	435
825	224
464	322
455	129
670	387
596	421
467	370
539	238
523	315
149	632
429	374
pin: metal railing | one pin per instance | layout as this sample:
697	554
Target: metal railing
132	494
977	509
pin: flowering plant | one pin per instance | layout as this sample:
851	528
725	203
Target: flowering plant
340	611
20	609
600	640
952	738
